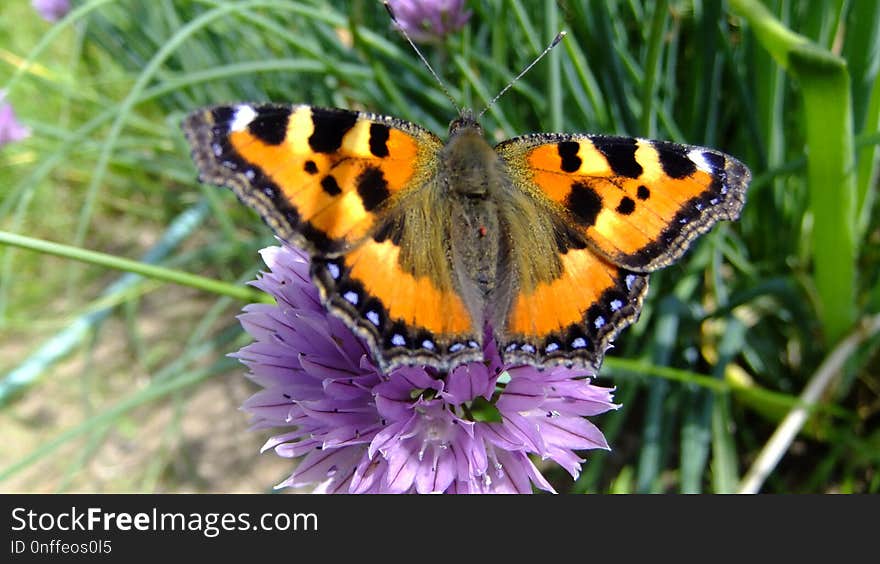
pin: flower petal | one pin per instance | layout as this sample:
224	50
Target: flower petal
521	394
360	431
435	475
468	382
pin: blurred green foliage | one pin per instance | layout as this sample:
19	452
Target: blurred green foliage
728	337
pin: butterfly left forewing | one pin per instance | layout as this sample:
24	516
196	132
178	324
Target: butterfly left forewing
320	178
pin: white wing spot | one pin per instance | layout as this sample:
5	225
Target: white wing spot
333	269
552	347
244	115
696	157
528	348
630	280
373	317
616	305
599	322
579	343
426	344
351	297
456	347
397	340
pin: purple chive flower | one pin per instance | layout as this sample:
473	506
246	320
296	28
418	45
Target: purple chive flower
51	10
10	128
430	20
410	431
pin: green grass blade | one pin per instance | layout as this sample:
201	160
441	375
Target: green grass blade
554	81
725	475
866	195
862	51
653	432
647	120
825	87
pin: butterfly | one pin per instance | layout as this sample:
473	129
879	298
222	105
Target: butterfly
426	248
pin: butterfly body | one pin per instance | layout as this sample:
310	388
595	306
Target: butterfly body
426	248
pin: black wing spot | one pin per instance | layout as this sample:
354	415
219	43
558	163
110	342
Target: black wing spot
311	167
372	188
584	203
643	193
568	152
626	206
674	160
270	125
330	127
621	155
379	139
330	186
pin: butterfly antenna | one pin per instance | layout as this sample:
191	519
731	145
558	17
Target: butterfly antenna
510	84
422	57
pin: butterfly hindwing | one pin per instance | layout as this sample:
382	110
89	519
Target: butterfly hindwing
406	318
574	318
638	202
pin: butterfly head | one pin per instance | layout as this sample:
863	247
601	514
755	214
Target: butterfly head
465	121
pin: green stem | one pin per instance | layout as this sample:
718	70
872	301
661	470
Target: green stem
128	265
617	366
824	82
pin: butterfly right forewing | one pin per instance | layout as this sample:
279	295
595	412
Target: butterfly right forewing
638	202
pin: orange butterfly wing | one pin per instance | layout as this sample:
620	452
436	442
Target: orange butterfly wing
328	180
318	177
624	207
574	318
640	203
